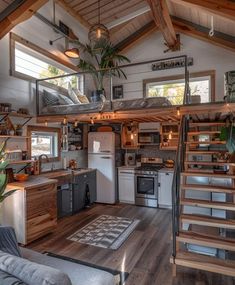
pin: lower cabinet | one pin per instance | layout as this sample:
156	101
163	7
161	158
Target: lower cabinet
84	190
126	186
165	180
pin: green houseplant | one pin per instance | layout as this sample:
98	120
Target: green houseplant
102	60
3	176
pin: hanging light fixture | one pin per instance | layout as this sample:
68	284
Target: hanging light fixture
98	32
71	52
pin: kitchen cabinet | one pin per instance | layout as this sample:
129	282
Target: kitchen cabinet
126	185
165	179
32	209
82	182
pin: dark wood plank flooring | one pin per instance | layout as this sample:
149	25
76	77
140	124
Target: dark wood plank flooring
145	255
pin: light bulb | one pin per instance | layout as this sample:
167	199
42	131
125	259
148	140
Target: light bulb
178	112
92	121
65	121
75	123
170	135
46	123
98	33
132	136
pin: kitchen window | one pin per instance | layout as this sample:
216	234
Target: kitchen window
30	62
44	140
202	88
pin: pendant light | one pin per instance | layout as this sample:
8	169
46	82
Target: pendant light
71	52
98	32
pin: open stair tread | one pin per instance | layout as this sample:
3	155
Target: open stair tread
208	174
205	142
208	204
202	262
207	221
207	188
201	239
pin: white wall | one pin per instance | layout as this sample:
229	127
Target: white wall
206	57
20	92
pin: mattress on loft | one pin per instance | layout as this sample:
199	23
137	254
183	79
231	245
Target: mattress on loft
76	108
146	103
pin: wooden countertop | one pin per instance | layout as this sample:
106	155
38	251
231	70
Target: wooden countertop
46	178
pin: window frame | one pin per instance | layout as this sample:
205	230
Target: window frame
17	39
42	129
194	75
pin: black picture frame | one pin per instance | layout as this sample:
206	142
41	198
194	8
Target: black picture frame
117	92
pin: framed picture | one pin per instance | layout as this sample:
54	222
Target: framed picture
117	92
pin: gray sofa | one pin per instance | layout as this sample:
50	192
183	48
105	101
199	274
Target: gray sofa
21	266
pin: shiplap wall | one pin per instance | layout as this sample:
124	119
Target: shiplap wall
206	57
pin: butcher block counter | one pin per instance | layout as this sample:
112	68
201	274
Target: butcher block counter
32	209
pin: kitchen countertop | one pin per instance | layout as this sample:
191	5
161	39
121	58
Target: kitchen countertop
46	178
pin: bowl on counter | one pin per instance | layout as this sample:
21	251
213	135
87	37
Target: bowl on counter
21	177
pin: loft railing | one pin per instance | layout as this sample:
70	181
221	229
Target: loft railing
179	166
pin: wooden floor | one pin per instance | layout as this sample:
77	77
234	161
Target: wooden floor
145	255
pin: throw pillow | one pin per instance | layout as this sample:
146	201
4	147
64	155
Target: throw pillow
63	100
32	273
82	98
72	95
50	99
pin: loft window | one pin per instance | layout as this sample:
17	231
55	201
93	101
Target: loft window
44	140
172	88
31	62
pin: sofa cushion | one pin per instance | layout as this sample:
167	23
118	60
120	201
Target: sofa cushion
50	99
32	273
63	100
8	279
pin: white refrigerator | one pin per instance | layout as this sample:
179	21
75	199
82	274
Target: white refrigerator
101	155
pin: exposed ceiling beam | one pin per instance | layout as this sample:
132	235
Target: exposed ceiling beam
202	33
223	8
18	12
128	17
73	13
136	36
162	20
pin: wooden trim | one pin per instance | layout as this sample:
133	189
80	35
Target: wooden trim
163	21
15	38
73	13
20	14
196	31
210	73
31	129
137	36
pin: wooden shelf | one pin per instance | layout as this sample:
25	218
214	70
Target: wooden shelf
13	137
209	124
209	163
204	142
21	161
14	114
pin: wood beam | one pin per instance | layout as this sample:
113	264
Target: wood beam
137	36
73	13
224	9
20	14
202	33
163	22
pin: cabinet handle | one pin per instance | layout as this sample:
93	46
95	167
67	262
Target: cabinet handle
106	151
105	157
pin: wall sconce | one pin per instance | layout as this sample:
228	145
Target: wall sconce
71	52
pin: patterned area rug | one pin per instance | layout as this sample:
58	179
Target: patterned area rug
105	231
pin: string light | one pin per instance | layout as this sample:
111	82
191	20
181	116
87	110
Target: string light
132	136
178	112
75	123
170	135
92	121
65	121
46	123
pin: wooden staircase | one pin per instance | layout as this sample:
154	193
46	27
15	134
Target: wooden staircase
203	178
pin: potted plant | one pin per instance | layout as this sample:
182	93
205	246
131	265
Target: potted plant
3	176
102	60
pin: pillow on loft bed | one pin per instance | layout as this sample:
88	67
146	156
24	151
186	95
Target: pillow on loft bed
55	99
76	96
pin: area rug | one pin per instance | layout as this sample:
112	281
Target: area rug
120	276
105	231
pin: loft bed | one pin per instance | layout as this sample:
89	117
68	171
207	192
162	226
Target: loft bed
72	93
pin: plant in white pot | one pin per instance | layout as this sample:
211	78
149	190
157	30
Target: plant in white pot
102	60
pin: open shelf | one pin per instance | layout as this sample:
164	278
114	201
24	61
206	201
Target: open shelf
13	137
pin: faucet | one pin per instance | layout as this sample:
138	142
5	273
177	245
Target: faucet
40	161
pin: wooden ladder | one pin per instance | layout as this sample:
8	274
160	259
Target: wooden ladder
199	226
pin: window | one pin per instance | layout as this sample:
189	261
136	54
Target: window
31	62
44	140
201	85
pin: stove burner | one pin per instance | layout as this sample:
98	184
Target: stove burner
149	169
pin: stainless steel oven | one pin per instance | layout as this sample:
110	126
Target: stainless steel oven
146	188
